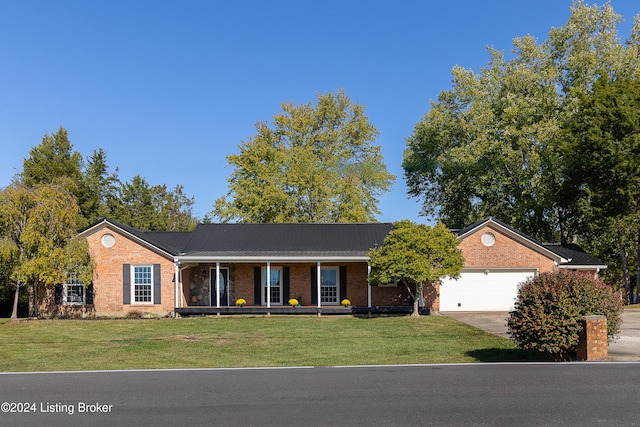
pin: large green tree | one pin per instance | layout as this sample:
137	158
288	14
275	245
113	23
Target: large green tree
100	193
317	163
147	207
602	154
492	144
53	161
416	254
37	244
99	196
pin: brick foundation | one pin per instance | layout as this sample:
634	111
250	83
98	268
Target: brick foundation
593	344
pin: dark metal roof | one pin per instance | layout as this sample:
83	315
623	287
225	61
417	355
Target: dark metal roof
575	254
171	241
303	240
292	238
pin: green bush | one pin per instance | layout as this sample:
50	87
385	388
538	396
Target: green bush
549	307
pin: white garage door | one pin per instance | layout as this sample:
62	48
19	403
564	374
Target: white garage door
490	290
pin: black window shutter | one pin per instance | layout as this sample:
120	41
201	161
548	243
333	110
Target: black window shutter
257	285
343	282
157	280
314	285
126	283
89	295
286	294
58	294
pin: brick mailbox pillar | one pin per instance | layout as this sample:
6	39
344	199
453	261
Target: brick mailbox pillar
593	344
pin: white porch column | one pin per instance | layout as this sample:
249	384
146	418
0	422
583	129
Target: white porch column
218	284
368	286
318	278
181	289
177	301
268	284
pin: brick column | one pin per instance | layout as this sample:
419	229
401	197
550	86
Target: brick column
593	344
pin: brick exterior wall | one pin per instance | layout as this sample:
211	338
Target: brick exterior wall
241	281
241	284
107	276
506	252
47	307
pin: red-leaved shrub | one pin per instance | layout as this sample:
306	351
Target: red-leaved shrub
549	307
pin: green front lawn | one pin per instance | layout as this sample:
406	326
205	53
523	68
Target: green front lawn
214	342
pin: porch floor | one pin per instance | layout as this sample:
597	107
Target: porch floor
303	310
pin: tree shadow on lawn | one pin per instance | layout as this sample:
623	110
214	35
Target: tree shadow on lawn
506	355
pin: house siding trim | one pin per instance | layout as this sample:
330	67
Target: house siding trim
595	268
183	259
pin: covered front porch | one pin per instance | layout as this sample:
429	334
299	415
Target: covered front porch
213	287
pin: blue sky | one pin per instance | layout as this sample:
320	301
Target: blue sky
169	88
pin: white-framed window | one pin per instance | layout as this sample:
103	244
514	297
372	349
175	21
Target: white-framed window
142	284
276	285
73	291
330	285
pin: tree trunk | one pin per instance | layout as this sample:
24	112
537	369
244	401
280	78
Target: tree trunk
417	299
635	296
412	295
33	303
14	312
625	265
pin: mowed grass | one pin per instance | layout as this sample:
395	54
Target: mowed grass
217	342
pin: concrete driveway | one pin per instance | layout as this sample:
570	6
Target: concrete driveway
626	346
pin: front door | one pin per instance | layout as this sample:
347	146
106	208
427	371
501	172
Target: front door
223	288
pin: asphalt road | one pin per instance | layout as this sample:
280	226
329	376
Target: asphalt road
566	394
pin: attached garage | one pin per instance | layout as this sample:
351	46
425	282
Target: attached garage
497	260
483	290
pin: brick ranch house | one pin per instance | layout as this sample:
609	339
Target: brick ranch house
205	271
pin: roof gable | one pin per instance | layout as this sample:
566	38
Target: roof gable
151	240
546	250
